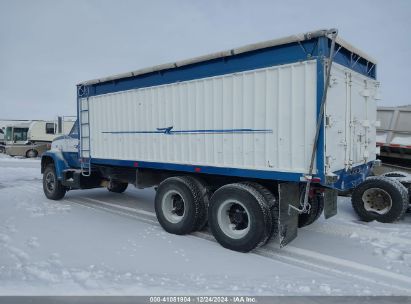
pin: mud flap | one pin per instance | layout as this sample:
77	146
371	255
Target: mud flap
288	218
330	202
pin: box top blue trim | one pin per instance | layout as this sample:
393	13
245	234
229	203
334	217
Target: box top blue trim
247	60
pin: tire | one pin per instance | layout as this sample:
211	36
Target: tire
392	203
179	205
117	187
243	206
317	208
51	185
395	174
205	202
31	153
405	192
272	204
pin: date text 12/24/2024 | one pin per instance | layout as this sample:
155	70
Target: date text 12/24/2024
203	299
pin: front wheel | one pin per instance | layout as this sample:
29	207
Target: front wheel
31	154
52	187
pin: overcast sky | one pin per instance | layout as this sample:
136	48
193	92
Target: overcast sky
47	47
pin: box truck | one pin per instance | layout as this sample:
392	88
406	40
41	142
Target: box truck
253	141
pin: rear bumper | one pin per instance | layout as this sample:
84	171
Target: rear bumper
349	179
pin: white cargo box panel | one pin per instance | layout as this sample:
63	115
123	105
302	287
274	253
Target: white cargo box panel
260	119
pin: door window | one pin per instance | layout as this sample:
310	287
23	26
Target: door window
20	134
9	134
50	128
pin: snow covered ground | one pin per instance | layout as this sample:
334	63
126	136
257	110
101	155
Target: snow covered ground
96	243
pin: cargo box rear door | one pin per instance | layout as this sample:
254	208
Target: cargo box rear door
336	120
363	118
350	120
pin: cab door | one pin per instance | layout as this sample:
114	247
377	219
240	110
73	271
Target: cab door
70	147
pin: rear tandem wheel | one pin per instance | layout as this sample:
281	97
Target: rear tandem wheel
241	217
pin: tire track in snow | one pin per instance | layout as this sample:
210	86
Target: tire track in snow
290	255
348	263
347	230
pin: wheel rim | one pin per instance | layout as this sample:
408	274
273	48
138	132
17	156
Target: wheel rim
50	182
233	219
173	206
377	200
31	154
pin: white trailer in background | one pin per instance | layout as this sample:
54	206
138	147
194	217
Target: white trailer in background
254	140
394	135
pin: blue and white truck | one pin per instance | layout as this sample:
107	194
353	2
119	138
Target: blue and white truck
253	141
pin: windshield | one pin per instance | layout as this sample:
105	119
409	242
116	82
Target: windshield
74	130
20	134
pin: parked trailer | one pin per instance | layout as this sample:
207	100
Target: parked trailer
394	135
248	140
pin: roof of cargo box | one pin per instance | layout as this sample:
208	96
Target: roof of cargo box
232	52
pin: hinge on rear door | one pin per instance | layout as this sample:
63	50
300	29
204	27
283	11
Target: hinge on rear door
328	121
365	123
328	160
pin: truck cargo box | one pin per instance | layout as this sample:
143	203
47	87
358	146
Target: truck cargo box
247	112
